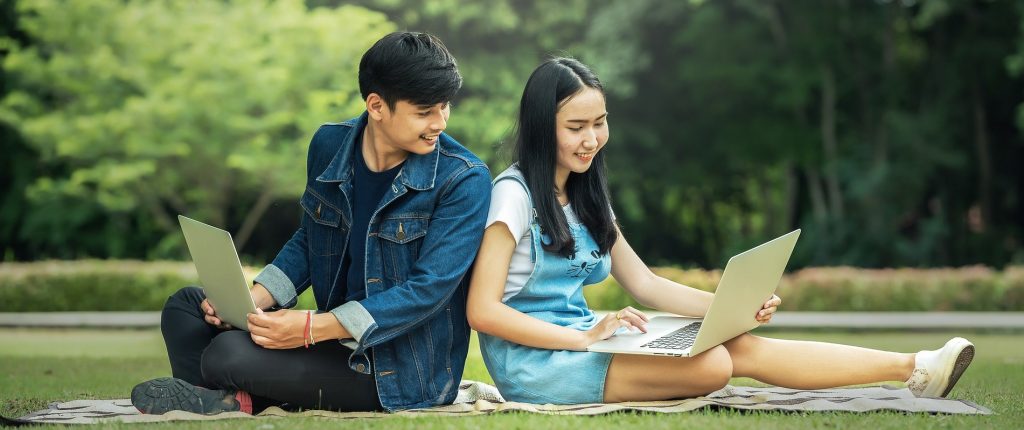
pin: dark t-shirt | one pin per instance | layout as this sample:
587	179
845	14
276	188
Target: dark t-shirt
368	187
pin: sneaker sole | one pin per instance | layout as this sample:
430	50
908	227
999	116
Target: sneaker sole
962	361
162	395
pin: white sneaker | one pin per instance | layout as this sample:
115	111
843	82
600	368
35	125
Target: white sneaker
936	372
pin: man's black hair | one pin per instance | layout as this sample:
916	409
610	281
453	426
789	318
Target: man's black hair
410	66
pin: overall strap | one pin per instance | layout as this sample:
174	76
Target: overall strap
516	176
534	219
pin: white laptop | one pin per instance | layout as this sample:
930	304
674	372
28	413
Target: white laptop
750	278
220	271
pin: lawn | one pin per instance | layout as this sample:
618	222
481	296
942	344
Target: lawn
41	365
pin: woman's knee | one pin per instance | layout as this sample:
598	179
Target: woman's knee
744	344
715	369
746	351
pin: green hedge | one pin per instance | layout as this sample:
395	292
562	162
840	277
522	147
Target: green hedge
90	285
825	289
93	285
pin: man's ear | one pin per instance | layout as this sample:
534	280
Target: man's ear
376	107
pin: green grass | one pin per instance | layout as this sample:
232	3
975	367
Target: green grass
38	366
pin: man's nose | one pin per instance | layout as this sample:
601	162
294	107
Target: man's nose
439	123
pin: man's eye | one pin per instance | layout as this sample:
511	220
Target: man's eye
424	113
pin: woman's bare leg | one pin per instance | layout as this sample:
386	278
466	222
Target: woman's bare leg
812	365
648	377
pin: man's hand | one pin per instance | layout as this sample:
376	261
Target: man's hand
283	329
764	316
260	296
210	315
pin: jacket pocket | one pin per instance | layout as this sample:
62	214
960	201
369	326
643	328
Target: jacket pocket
323	226
401	238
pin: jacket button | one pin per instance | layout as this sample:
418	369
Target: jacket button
318	211
360	368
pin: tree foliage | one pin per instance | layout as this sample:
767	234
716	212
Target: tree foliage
880	128
889	131
149	109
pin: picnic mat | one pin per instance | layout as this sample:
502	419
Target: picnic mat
477	398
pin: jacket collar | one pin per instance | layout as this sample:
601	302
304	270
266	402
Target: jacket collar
418	173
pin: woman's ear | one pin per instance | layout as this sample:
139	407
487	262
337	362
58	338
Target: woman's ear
376	107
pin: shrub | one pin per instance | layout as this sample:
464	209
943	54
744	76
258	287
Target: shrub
974	288
95	285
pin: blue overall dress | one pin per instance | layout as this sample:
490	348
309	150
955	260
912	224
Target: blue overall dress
553	293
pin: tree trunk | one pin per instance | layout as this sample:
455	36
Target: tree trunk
790	199
981	146
160	216
253	217
829	141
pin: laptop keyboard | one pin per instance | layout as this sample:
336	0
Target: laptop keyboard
679	339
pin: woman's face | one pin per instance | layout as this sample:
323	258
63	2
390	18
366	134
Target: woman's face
581	128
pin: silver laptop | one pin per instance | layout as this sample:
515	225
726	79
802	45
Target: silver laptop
220	271
749	280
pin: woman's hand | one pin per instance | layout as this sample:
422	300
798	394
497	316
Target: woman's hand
283	329
764	316
627	317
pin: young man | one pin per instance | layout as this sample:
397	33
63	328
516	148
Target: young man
394	214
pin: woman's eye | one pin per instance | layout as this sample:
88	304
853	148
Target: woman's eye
600	124
575	129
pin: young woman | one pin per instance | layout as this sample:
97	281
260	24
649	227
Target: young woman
551	230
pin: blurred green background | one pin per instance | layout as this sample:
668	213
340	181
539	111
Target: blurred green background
890	131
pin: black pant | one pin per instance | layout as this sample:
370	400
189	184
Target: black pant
314	378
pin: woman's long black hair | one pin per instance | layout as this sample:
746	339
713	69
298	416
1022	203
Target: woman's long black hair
550	86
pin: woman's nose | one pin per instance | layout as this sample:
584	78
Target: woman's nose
590	140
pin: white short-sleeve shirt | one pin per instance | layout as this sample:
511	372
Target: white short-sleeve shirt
511	205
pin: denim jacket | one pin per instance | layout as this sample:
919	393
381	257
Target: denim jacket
420	244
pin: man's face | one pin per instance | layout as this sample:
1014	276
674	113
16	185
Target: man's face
413	128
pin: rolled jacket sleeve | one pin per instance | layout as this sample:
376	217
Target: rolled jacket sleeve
288	275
